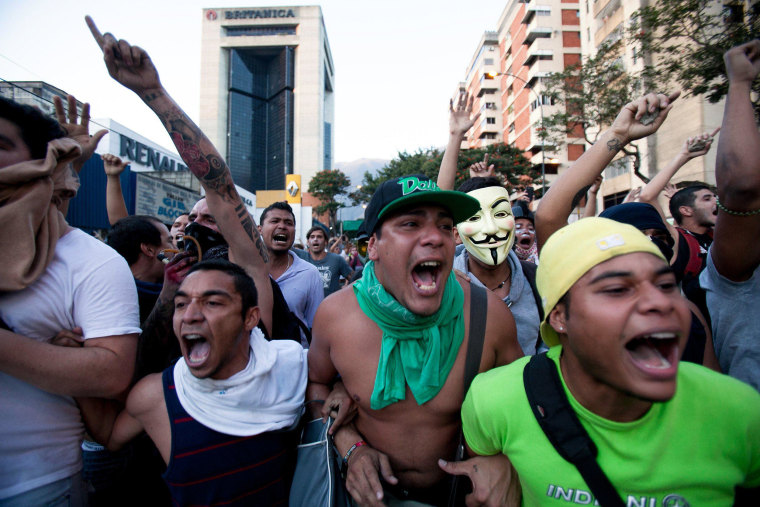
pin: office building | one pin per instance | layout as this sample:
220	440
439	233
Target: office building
267	81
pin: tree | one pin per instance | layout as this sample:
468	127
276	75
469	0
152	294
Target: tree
684	41
509	162
326	186
593	93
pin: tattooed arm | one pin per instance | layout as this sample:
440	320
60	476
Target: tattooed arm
556	206
132	67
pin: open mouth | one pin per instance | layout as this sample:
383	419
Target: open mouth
426	275
656	354
525	241
197	348
280	238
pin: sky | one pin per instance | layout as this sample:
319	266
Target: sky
397	62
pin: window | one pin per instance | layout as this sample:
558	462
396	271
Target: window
236	31
511	128
491	121
544	100
491	105
488	61
616	168
733	13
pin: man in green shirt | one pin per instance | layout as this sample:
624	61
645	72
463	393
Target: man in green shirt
667	434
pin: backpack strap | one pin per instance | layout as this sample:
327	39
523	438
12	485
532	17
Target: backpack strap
529	270
478	319
563	428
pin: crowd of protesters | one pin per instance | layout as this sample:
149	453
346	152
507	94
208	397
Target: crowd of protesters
470	346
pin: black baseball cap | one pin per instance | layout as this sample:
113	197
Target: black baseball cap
405	191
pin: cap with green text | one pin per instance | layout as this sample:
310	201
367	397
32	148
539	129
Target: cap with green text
411	190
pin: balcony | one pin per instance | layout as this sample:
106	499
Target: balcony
603	8
531	11
538	54
536	32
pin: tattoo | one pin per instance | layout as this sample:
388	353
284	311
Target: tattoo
207	165
250	228
614	145
150	97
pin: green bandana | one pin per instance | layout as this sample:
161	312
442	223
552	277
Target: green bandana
418	350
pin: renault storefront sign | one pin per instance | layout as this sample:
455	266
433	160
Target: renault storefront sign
162	200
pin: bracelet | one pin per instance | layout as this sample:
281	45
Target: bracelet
351	450
735	213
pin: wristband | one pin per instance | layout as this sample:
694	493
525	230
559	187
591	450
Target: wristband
351	450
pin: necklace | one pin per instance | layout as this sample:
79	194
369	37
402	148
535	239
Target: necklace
500	285
289	260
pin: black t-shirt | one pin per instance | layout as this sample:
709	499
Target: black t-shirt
684	251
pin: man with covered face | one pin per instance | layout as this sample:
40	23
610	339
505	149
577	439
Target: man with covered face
399	341
488	235
488	259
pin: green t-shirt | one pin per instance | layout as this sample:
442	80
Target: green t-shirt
691	450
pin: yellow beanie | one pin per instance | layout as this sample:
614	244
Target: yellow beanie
576	248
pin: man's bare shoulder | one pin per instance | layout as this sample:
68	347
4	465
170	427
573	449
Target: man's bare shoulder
146	397
339	300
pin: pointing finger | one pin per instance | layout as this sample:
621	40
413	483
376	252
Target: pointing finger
95	32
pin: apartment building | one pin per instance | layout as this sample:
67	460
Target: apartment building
505	75
606	21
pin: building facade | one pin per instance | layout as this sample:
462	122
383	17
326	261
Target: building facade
486	97
606	21
267	81
531	41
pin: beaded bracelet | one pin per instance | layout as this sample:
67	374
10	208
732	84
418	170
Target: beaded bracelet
735	213
352	449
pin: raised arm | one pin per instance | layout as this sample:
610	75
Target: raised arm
593	191
116	208
132	67
651	190
556	206
736	252
459	124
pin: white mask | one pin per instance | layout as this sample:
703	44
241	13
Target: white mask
488	235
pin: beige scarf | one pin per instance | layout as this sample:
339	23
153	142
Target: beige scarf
30	194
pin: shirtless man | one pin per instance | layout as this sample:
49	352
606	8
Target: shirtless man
407	318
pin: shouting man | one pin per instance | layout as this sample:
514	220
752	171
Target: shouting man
399	341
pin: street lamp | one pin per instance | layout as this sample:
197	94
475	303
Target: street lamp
543	127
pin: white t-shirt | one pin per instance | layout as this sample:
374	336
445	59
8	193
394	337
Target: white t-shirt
89	285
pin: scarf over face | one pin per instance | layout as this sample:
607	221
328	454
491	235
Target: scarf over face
416	350
30	193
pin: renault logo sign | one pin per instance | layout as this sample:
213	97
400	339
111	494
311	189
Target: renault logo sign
292	188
